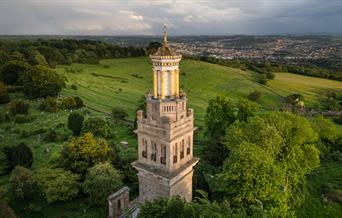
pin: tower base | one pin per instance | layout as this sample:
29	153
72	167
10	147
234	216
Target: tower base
154	183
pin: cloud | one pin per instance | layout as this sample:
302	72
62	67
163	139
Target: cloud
183	17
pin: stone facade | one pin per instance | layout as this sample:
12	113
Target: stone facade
165	133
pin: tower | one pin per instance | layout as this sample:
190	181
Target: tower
165	133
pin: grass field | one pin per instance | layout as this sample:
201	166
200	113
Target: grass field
123	82
114	83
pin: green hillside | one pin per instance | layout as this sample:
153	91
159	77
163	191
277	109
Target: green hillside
122	83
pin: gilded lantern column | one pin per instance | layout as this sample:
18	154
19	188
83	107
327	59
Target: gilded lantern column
172	85
155	88
162	84
177	82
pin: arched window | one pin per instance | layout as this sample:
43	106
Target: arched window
144	148
182	149
188	146
175	150
154	151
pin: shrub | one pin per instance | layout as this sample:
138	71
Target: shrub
57	184
119	114
41	82
51	136
254	96
75	123
79	102
102	180
5	117
262	79
20	118
4	97
20	154
4	166
19	107
49	104
22	182
270	75
74	86
98	126
69	103
83	152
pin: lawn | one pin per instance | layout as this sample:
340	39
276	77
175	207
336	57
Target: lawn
123	82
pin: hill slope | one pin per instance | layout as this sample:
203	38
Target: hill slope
122	83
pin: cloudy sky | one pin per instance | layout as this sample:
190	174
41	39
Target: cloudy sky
183	17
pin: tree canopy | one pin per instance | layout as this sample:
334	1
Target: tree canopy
270	155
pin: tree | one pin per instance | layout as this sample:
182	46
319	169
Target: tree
327	133
221	113
98	126
42	81
4	97
119	114
79	102
83	152
57	184
20	154
12	72
75	123
22	182
102	180
18	107
270	155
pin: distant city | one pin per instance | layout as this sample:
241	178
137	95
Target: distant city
323	51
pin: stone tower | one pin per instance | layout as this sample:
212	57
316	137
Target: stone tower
165	133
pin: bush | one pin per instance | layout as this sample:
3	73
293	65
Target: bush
41	82
79	102
119	114
22	182
262	79
102	180
270	75
20	118
57	184
75	123
69	103
49	104
74	86
254	96
51	136
5	117
4	97
4	166
83	152
20	154
19	107
98	126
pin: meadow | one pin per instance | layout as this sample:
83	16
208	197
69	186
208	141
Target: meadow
123	83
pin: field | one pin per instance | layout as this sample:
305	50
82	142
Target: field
123	82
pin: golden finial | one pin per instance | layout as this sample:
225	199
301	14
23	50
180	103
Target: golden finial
165	36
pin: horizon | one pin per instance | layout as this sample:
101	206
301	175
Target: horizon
182	17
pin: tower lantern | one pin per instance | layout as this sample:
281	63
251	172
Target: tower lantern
165	133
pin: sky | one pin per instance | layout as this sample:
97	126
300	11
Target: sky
182	17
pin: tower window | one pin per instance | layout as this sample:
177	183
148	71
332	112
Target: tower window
188	146
175	150
182	150
154	151
144	150
163	154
